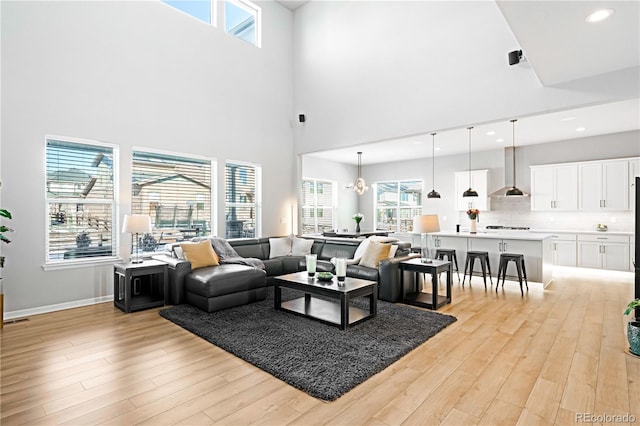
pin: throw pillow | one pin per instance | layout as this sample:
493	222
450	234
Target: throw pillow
374	254
179	253
200	254
361	249
279	247
393	250
301	246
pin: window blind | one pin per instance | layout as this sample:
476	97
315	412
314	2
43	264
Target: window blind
80	200
175	191
242	203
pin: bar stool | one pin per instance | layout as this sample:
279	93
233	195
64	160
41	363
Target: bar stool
450	254
518	259
483	257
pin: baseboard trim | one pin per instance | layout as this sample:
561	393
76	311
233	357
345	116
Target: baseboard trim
57	307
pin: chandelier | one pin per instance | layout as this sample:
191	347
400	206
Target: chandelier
359	186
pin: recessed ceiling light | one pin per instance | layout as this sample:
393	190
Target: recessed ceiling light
567	119
499	140
580	129
437	149
491	133
418	142
599	15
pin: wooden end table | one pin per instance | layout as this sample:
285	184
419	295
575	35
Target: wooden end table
138	286
426	300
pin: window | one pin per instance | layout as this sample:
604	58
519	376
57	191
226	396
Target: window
397	203
199	9
317	206
175	191
243	203
242	19
80	196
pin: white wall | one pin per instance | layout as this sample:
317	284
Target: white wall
514	211
370	71
134	73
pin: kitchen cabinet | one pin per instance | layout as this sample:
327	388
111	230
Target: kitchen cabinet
554	187
564	249
531	250
452	243
480	183
603	185
603	251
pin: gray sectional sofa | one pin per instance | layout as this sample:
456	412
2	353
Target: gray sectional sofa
219	287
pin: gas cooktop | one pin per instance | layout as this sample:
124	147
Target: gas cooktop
508	228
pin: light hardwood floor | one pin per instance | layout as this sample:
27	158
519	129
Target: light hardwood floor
508	360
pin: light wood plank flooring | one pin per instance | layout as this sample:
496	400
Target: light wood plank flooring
541	359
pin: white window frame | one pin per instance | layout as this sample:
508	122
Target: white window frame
251	8
315	206
212	179
397	208
115	223
258	200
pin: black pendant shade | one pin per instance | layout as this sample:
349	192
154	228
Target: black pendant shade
514	191
470	192
433	193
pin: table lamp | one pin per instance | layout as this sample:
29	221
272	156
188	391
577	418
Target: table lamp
425	225
136	224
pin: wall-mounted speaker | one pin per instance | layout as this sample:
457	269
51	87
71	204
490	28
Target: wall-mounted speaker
301	118
514	57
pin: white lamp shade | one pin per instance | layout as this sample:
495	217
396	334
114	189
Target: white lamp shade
426	224
137	224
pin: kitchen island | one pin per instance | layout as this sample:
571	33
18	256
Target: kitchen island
536	248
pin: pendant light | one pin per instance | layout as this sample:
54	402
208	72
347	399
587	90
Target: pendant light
514	191
359	185
433	193
470	192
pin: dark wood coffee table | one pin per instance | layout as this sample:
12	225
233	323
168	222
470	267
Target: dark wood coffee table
340	314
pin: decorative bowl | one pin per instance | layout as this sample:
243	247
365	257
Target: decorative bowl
324	276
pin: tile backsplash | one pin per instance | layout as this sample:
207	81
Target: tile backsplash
516	211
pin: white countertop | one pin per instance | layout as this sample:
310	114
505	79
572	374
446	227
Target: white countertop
579	231
498	235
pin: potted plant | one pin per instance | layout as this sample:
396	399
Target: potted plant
358	217
4	239
633	328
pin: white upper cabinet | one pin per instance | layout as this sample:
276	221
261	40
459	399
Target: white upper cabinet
479	183
603	185
554	187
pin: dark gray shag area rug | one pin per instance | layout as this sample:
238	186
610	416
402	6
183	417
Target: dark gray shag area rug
319	359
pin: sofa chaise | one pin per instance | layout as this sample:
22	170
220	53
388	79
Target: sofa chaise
213	288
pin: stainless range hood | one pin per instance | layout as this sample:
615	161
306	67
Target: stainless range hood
508	175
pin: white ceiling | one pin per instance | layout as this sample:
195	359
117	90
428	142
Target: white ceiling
560	47
596	120
292	4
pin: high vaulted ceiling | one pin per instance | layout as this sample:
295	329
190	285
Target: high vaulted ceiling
560	47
